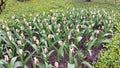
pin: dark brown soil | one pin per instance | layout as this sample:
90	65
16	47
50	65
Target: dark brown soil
65	59
91	59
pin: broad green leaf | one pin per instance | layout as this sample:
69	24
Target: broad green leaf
50	53
79	39
76	62
12	62
41	65
90	52
87	64
28	58
80	55
3	61
71	65
2	66
17	64
25	66
33	45
106	41
48	65
107	34
60	52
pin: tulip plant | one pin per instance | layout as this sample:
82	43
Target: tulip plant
34	39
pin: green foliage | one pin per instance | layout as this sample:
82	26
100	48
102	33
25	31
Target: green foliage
110	58
87	64
71	65
38	36
107	4
14	7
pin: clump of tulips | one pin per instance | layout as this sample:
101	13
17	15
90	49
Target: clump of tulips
32	39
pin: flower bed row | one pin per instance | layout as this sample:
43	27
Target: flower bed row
64	39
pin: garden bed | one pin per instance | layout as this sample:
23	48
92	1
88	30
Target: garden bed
63	39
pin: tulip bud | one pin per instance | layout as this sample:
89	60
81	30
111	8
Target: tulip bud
46	24
81	17
108	25
77	26
3	26
1	20
8	33
58	30
20	51
53	18
56	65
7	29
24	20
71	16
19	42
69	37
59	43
21	28
34	19
10	38
72	50
67	28
43	31
99	27
37	41
64	22
97	32
50	27
102	27
49	16
30	15
41	25
93	25
38	20
57	34
63	15
50	36
17	30
91	38
77	30
26	23
90	26
46	50
17	20
65	19
13	17
71	25
59	25
34	38
36	61
56	14
22	35
10	50
37	15
6	58
30	27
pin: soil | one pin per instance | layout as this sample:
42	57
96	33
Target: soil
91	59
65	59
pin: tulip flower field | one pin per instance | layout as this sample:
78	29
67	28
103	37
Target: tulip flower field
59	39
